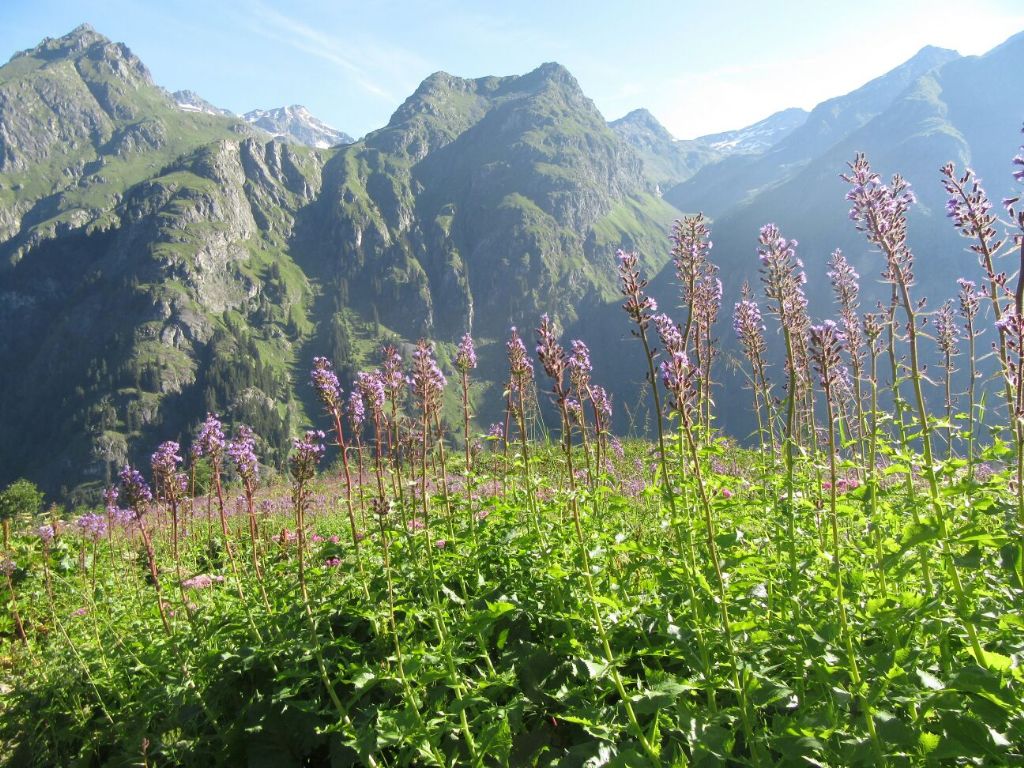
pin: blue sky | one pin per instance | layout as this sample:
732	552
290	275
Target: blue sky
699	67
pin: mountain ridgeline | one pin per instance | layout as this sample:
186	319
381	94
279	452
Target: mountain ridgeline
161	257
157	262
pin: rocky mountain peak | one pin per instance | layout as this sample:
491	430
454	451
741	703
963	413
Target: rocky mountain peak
553	72
296	123
92	52
77	40
641	123
190	101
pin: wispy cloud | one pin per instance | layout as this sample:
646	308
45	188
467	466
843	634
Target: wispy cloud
375	67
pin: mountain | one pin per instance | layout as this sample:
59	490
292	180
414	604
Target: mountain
190	101
759	137
296	123
667	160
966	110
156	263
738	178
144	252
504	192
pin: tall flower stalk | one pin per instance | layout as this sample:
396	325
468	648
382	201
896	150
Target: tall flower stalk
783	278
969	209
947	336
138	496
371	386
880	211
465	361
640	308
242	452
826	348
428	383
873	328
325	383
749	329
393	381
553	359
1014	371
306	454
970	302
679	378
846	287
520	377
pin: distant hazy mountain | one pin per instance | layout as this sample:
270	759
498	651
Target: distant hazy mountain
669	161
737	179
298	124
968	110
190	101
759	137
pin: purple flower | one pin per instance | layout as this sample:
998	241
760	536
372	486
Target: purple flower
668	332
496	431
242	452
602	403
970	299
332	562
427	379
707	300
969	208
520	367
946	334
135	489
210	440
165	460
465	358
202	581
325	383
749	328
391	373
307	452
826	347
91	526
677	376
355	410
880	211
550	352
371	385
164	463
783	278
638	306
618	448
110	499
580	366
45	533
7	566
79	613
691	247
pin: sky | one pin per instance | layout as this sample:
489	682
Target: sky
699	67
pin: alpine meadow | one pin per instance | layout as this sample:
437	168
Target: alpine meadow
506	435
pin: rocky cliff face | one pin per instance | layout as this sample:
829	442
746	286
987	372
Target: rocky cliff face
483	192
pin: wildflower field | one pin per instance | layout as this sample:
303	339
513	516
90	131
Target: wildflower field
846	590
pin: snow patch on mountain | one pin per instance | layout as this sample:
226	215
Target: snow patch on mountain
296	123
